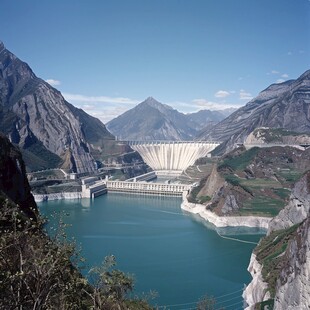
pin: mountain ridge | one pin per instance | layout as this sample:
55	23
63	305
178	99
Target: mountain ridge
35	116
152	120
284	105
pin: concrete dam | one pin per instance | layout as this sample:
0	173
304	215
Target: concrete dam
172	157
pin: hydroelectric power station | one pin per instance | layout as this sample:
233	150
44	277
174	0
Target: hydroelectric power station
172	157
168	159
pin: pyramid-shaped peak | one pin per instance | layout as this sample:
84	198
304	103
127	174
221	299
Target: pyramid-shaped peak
151	100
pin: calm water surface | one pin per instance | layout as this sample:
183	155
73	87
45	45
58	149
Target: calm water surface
167	250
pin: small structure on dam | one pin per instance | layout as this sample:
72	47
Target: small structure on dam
172	157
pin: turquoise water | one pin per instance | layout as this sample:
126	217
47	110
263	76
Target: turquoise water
167	250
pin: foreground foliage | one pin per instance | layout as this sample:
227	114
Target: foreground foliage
39	272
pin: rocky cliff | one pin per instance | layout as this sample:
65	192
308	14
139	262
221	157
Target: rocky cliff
281	276
293	285
35	116
284	105
298	208
14	186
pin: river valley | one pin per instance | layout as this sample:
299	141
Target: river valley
168	250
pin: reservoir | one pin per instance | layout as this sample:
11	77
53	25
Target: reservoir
167	250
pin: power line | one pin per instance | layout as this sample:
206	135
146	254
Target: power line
196	302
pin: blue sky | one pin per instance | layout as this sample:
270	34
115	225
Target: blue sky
107	56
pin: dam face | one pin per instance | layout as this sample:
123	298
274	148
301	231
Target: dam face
172	156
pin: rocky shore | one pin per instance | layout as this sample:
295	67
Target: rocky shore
224	221
57	196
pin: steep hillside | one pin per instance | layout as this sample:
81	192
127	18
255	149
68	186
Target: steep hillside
285	105
257	181
152	120
280	265
49	130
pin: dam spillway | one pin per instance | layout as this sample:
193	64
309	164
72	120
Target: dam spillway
172	156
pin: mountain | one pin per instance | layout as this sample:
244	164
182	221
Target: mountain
285	105
152	120
49	130
204	118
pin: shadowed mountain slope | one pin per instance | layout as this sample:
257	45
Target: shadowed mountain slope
48	129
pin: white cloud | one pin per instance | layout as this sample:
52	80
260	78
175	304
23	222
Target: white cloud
107	114
104	99
275	72
280	81
53	82
285	75
289	53
243	95
221	94
210	105
103	107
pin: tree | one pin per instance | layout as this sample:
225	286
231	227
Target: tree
109	285
36	271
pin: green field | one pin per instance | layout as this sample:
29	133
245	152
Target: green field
262	206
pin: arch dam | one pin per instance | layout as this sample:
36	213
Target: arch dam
172	157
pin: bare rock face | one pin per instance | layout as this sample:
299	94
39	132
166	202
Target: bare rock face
298	207
35	116
256	291
293	286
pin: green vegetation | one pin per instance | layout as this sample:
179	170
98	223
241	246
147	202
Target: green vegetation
265	305
239	162
203	199
193	196
118	174
269	254
290	175
235	181
283	193
262	206
267	174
